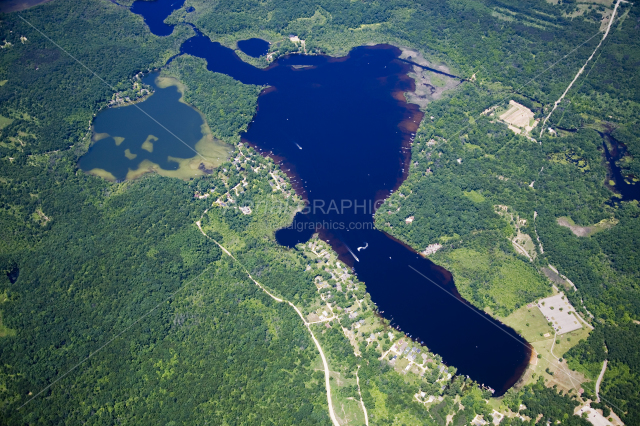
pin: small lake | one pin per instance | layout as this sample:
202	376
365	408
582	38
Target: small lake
342	129
254	47
127	143
13	275
627	191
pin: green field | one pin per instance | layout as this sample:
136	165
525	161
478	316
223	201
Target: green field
5	121
532	325
493	278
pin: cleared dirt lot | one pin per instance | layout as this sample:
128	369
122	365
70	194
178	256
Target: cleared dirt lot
519	117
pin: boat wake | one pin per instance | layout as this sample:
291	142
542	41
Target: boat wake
365	246
352	254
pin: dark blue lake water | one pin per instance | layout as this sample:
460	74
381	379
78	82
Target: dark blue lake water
155	12
627	191
342	129
254	47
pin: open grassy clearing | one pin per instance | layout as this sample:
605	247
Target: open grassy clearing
531	324
5	121
4	330
501	281
346	401
344	392
474	196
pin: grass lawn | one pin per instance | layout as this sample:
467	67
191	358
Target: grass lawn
5	331
5	121
537	324
346	402
474	196
562	376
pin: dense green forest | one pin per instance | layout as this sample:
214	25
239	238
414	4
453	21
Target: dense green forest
92	257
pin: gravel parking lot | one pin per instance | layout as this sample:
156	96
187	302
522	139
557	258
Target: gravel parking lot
559	311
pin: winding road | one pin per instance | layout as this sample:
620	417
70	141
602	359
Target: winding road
334	419
364	409
604	367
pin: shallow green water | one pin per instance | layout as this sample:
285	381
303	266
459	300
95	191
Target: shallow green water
128	143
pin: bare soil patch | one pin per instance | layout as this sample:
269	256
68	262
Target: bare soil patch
585	231
556	278
519	118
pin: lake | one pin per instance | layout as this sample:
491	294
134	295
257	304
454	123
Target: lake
342	130
254	47
155	12
127	143
627	190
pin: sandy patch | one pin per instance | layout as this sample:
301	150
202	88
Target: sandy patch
103	174
129	154
99	136
164	82
147	145
431	249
